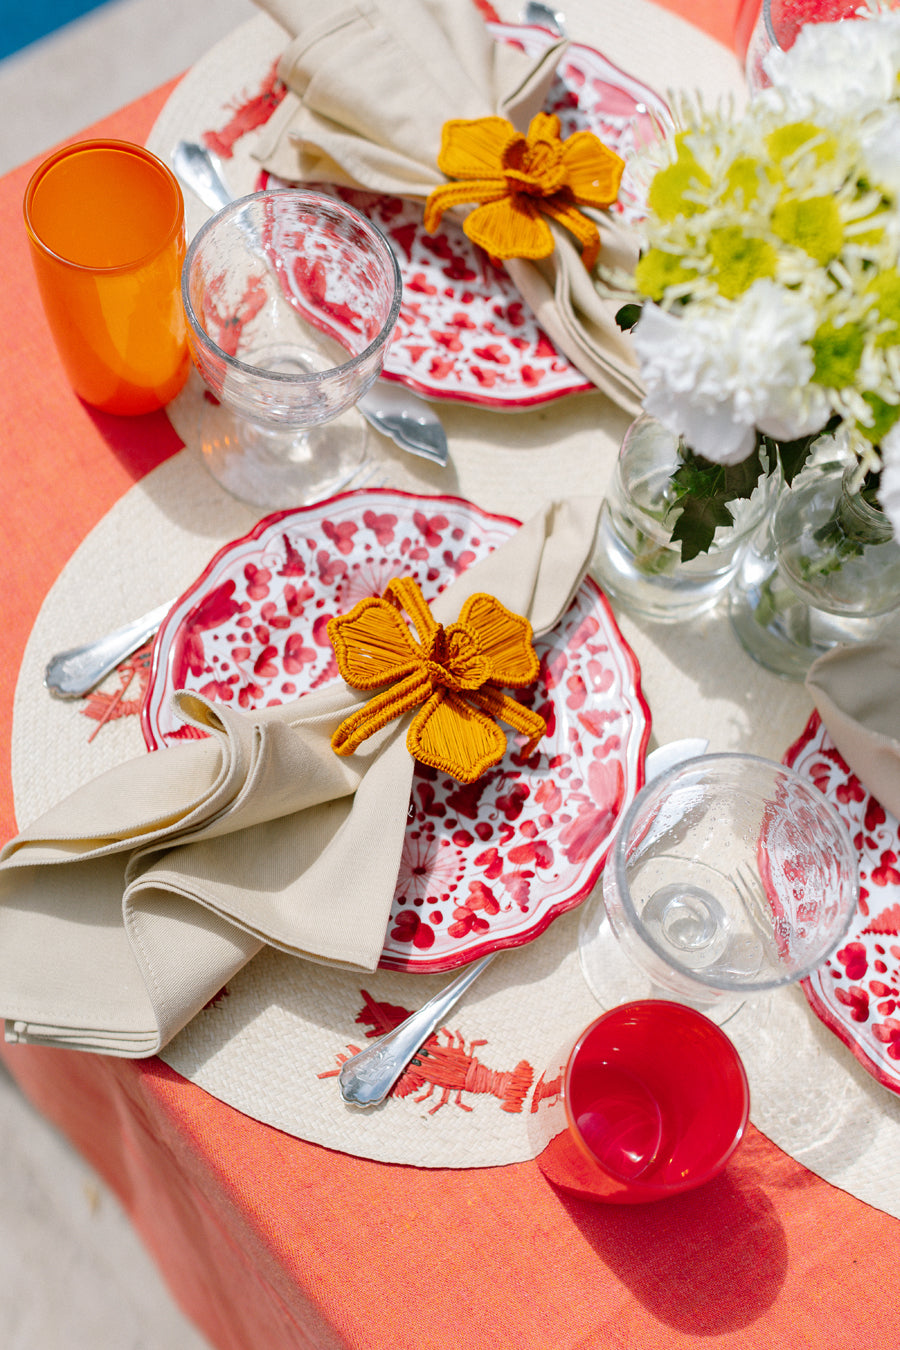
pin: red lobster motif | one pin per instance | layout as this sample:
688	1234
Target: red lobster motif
254	112
103	707
446	1065
547	1090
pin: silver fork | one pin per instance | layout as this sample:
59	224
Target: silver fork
745	953
368	1076
75	672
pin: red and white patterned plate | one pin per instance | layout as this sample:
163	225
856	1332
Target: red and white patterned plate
857	992
485	865
464	332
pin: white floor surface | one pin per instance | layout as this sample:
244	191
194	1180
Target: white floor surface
111	56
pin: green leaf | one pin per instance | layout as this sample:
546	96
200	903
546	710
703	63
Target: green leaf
703	491
698	522
628	316
794	454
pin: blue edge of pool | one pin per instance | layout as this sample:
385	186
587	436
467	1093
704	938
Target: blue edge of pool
22	24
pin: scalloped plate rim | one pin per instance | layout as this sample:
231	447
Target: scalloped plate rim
844	1034
817	1003
464	956
553	912
256	532
578	384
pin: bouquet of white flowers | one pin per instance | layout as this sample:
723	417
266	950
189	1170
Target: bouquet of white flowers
765	306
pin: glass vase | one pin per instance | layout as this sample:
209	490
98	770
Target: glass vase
825	569
636	561
777	24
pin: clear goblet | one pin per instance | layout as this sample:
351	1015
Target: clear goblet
291	298
730	875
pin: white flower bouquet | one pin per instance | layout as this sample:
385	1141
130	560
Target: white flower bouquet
765	306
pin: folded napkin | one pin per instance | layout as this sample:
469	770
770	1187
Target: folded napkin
126	907
371	86
856	689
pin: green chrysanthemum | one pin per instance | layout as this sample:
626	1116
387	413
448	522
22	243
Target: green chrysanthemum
873	238
884	415
744	178
837	353
885	291
739	260
657	270
785	141
674	189
812	224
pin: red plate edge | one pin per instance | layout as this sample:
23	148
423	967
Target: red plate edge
825	1015
506	31
443	965
256	531
564	906
813	998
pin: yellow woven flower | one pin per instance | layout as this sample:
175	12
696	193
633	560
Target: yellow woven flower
452	674
521	179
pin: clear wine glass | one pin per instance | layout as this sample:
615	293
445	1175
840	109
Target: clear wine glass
730	875
291	299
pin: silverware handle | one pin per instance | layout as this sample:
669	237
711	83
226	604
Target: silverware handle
418	433
367	1078
200	169
72	673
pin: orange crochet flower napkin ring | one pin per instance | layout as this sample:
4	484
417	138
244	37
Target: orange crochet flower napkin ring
518	180
452	675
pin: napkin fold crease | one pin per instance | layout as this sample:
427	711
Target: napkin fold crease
370	88
856	689
125	908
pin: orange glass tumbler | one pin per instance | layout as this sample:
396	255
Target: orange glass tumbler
105	221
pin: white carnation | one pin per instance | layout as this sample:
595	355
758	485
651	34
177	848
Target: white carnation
880	142
850	65
717	374
889	488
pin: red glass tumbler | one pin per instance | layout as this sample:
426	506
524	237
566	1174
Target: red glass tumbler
652	1100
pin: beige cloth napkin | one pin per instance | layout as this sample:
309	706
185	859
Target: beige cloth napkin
856	689
125	908
372	84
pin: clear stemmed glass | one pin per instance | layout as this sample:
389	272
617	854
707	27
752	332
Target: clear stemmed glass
291	298
730	875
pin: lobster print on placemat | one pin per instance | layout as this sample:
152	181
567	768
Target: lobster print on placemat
442	1064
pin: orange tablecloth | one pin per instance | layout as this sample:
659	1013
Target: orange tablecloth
270	1242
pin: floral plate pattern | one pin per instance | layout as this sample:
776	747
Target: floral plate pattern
485	865
857	992
464	332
